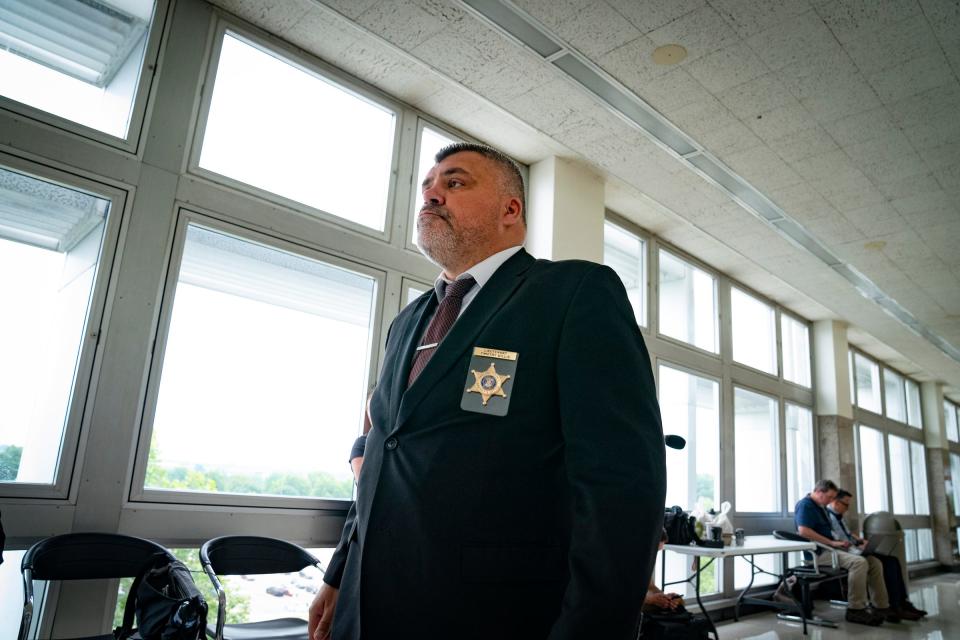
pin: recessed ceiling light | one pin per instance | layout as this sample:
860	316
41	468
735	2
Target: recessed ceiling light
669	54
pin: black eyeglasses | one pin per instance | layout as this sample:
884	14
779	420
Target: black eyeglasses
846	504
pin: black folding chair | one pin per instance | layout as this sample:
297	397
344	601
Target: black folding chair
82	556
239	555
807	576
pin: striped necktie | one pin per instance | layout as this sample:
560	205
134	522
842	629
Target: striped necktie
443	319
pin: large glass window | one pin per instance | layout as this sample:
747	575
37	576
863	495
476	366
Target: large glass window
688	303
50	241
894	397
800	456
757	458
690	406
914	415
625	253
264	372
901	479
282	128
873	473
74	59
921	496
754	332
950	418
919	544
431	141
867	375
795	338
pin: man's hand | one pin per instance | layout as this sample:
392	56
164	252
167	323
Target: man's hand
840	544
320	620
668	601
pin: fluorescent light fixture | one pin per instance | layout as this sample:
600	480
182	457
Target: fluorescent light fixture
85	39
862	283
799	236
515	24
625	102
735	186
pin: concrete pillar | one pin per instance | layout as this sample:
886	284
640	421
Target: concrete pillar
565	211
938	469
836	443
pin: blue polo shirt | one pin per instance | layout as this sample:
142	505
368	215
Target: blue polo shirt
808	513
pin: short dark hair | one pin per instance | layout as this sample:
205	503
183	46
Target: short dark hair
825	485
843	493
512	179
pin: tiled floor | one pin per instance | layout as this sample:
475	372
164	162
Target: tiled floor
938	595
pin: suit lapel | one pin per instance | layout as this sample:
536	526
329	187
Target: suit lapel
410	332
489	299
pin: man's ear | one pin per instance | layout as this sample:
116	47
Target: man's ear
512	211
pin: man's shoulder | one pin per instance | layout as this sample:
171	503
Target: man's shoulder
806	505
569	269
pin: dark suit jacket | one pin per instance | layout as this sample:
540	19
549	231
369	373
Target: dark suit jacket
541	523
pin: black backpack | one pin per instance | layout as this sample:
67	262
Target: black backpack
167	603
678	624
679	527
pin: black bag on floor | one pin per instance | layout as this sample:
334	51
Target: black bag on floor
167	603
678	624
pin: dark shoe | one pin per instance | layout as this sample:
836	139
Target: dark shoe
907	614
908	606
863	616
888	615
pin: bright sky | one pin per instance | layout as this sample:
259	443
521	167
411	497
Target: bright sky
258	388
285	130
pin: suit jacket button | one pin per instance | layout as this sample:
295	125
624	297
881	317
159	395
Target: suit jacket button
391	444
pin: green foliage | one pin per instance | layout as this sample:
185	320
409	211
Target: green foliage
705	490
9	462
238	604
198	478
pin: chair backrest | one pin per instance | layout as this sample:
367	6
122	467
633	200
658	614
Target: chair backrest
81	556
794	537
234	555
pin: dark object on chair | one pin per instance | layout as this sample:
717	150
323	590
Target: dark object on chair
238	555
82	556
804	577
167	603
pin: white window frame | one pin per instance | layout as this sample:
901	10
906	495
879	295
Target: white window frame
633	229
718	300
783	313
781	448
140	494
84	386
272	46
138	110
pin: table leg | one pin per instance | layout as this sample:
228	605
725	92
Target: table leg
753	573
696	565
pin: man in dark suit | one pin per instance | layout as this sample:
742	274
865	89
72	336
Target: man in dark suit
513	481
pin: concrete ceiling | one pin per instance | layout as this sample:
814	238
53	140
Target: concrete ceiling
845	113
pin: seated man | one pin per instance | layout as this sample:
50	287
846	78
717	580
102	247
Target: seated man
892	573
813	523
656	599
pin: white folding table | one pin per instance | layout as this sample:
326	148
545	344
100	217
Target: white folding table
752	546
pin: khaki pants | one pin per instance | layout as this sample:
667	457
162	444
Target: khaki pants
863	571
